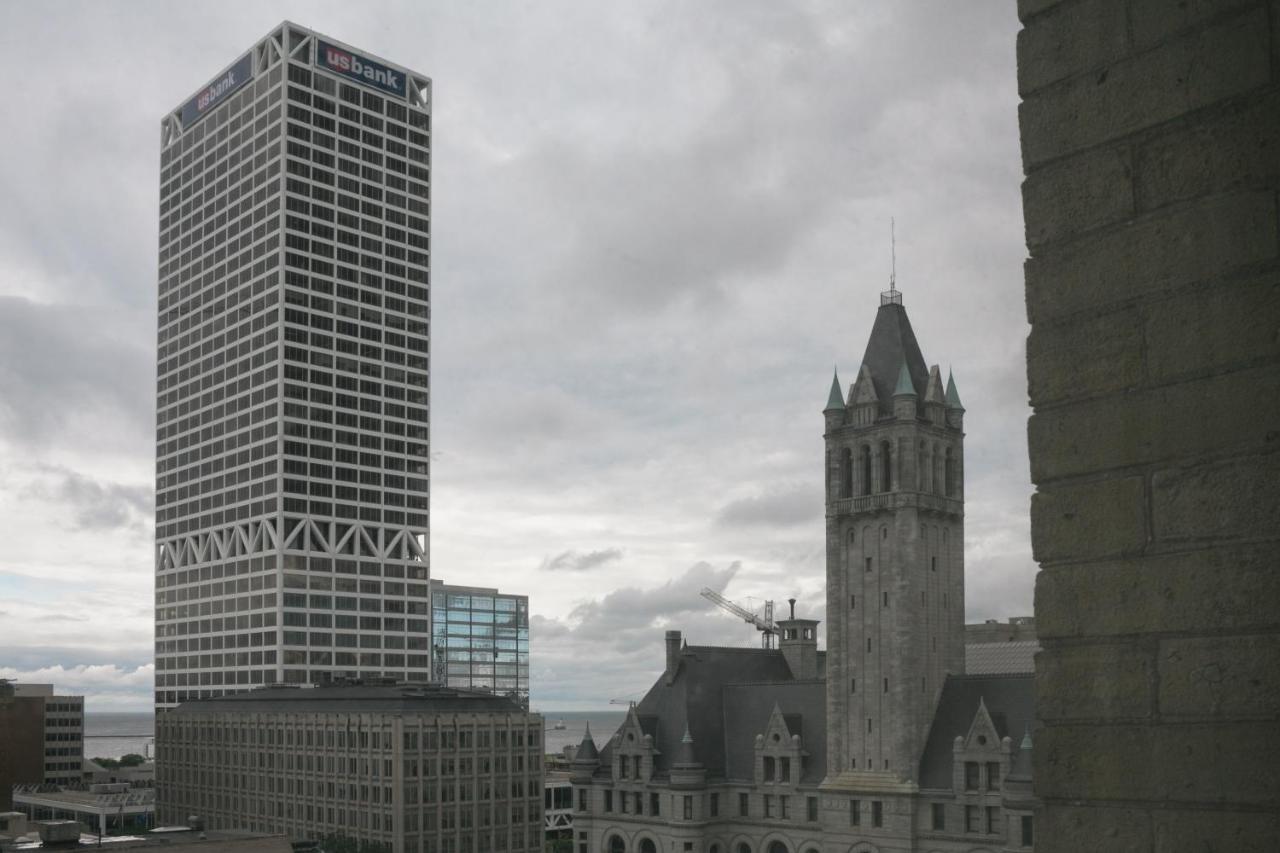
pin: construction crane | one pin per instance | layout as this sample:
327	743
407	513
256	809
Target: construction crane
764	624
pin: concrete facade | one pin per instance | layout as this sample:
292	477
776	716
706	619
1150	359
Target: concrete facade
1150	136
417	769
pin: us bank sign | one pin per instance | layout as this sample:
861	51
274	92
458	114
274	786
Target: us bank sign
213	94
356	67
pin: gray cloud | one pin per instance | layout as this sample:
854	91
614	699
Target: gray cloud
624	611
94	505
575	561
782	508
67	374
655	228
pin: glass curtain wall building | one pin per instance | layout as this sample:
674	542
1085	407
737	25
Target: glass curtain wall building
292	389
480	639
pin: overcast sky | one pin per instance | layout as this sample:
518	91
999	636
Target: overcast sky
657	226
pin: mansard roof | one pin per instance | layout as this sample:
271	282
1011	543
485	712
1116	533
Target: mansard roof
1009	699
891	345
747	708
697	701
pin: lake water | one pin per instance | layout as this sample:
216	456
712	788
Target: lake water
111	735
116	734
603	725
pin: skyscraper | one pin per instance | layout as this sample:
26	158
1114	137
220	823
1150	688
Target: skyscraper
292	388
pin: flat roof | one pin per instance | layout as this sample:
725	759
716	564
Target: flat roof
355	698
299	28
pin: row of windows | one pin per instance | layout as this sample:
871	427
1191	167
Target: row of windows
875	471
215	126
225	305
394	110
977	819
250	168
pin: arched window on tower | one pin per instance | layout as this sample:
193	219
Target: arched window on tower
866	470
846	473
886	467
949	472
922	469
937	471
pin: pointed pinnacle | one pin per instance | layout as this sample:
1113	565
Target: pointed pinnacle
834	399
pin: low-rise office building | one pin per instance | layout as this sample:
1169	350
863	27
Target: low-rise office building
41	737
480	639
416	768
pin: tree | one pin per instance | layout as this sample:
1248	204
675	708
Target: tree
132	759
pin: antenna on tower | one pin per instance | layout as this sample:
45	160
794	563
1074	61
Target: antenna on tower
892	296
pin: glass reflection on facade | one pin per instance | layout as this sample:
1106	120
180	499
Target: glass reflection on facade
480	639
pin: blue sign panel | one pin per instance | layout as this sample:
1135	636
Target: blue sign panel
356	67
213	94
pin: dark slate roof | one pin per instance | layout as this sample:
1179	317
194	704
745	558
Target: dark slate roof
1015	657
892	344
1010	700
747	708
695	699
355	699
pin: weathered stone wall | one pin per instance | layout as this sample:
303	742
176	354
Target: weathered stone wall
1151	145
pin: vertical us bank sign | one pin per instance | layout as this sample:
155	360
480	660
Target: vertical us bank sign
358	68
213	94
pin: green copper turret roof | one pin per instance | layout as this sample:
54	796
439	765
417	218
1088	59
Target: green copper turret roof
904	385
953	396
834	400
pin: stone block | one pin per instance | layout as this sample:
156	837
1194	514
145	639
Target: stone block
1240	499
1087	356
1072	38
1062	828
1203	763
1095	682
1231	677
1153	21
1072	196
1187	592
1153	254
1176	78
1106	518
1214	329
1231	413
1201	831
1227	152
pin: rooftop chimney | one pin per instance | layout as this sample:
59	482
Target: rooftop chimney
673	654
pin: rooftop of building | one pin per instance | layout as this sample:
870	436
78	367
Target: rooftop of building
355	698
1013	657
725	696
1010	701
194	840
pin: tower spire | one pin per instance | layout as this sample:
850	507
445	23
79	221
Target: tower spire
892	296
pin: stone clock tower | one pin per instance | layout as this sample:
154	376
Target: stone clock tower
895	555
